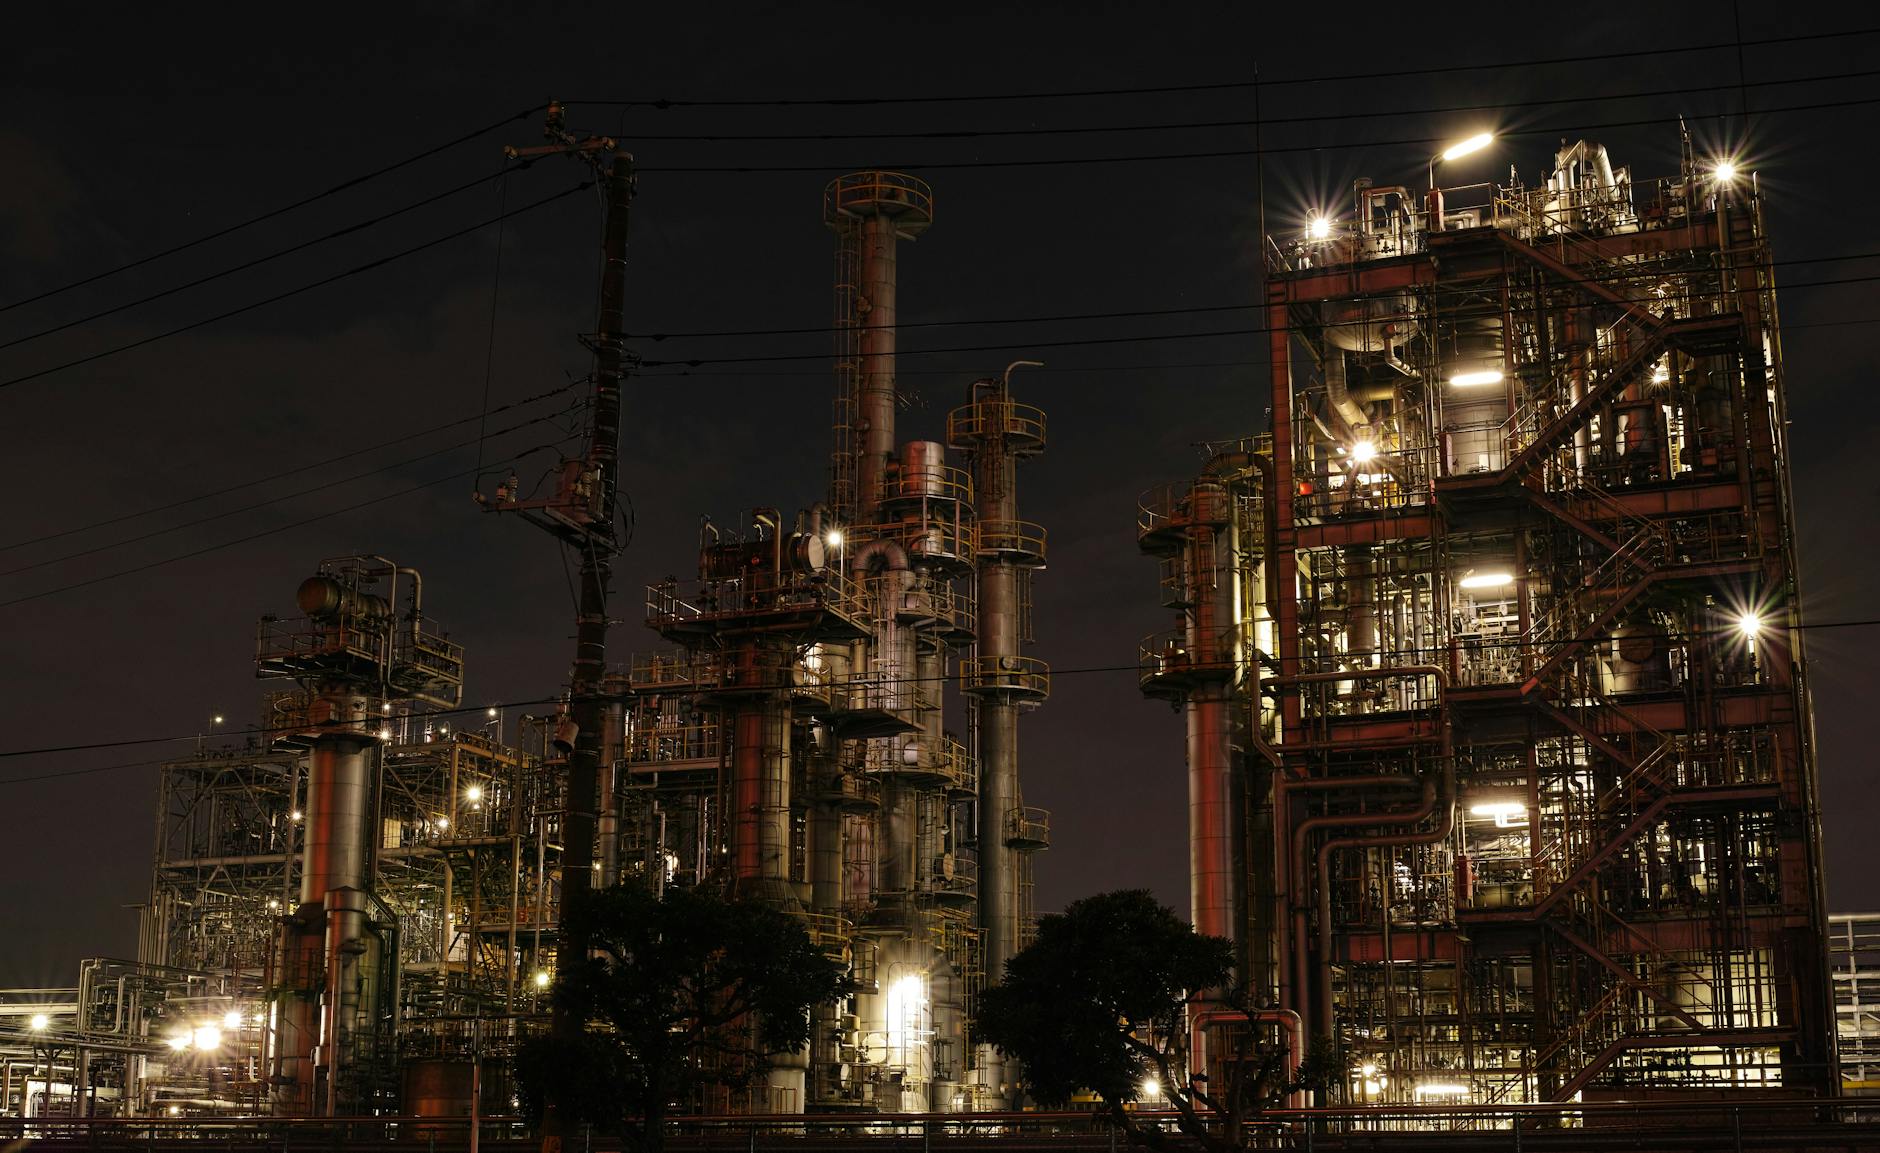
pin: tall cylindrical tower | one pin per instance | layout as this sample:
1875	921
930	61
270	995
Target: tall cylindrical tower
998	433
361	648
870	212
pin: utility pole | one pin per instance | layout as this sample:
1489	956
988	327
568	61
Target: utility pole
581	514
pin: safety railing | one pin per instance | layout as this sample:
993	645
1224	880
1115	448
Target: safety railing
1743	1119
1166	660
675	605
887	193
1020	676
1018	540
935	482
1361	480
1028	827
1021	425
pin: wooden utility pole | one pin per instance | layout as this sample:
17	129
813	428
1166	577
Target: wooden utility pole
581	515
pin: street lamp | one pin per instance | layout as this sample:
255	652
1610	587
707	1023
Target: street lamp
1458	150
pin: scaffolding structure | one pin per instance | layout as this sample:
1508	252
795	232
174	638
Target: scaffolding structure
1854	965
1499	737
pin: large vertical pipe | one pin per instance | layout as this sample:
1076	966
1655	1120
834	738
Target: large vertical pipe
761	787
1215	857
336	856
997	636
876	412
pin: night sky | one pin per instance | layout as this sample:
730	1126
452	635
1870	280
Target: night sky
130	130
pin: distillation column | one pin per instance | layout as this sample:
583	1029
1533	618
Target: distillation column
870	213
997	433
348	651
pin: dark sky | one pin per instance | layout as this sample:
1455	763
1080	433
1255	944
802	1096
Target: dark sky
125	130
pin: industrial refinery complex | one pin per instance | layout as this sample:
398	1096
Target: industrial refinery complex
1499	753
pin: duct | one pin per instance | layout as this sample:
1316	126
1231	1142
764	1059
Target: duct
1338	392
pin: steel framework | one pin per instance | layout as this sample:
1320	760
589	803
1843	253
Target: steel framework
1499	738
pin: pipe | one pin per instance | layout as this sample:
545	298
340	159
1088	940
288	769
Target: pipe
1338	392
1444	826
1290	1027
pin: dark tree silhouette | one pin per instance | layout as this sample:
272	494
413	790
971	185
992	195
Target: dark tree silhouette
684	990
1099	1002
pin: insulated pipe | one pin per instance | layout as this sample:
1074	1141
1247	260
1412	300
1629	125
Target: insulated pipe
1216	865
876	414
607	824
760	790
341	1007
1338	391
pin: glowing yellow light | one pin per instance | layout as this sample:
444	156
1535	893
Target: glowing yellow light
1507	814
443	822
1319	228
1474	143
906	1014
39	1022
1469	379
1486	580
218	718
294	816
1750	625
177	1041
1725	171
833	538
176	1110
232	1019
1442	1089
207	1038
1368	1069
473	793
492	713
1151	1087
1363	452
541	978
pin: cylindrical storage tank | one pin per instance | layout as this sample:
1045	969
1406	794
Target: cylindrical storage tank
438	1087
923	470
323	598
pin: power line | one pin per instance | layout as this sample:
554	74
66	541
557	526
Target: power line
348	230
1165	366
1133	667
254	536
278	297
342	186
273	500
1096	341
664	103
1196	125
1122	314
1213	154
295	471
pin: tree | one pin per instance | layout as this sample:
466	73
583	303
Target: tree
683	990
1100	1002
